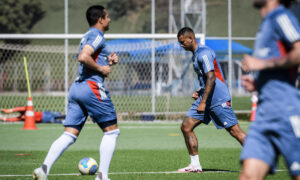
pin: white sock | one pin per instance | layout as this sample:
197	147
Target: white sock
57	148
195	160
107	148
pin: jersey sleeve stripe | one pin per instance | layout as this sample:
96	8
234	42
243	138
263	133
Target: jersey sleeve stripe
206	61
97	41
288	28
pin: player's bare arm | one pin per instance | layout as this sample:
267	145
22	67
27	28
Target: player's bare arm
291	59
211	78
85	57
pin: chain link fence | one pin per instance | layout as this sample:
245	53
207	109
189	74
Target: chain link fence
130	82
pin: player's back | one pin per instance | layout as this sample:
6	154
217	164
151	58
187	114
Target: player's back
94	38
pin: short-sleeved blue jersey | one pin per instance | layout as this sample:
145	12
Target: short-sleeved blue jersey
277	33
94	38
204	60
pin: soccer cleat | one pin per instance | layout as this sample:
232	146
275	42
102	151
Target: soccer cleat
39	174
191	168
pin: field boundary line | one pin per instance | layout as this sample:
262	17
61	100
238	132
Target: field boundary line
120	173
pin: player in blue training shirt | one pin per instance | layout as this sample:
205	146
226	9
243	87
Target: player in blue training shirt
89	97
212	100
276	129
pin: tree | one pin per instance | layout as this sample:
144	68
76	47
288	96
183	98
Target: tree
19	16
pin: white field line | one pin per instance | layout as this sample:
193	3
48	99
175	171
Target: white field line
120	173
148	125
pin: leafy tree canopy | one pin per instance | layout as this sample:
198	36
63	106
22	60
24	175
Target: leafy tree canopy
19	16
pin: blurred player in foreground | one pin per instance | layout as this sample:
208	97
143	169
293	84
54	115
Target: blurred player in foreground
89	97
40	117
276	129
212	100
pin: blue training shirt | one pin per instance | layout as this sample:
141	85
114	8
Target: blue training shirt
95	38
204	60
277	33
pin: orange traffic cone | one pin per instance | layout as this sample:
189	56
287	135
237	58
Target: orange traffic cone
254	100
29	116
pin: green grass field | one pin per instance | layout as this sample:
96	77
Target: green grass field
144	151
134	103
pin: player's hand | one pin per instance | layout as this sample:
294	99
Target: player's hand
195	95
201	107
248	83
250	63
105	70
113	59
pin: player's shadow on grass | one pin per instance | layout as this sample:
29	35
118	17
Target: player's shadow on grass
220	170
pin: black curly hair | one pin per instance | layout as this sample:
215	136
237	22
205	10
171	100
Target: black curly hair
287	3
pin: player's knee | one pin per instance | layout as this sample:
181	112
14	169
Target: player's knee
235	131
244	176
247	175
185	127
113	133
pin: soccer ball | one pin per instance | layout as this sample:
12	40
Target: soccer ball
87	165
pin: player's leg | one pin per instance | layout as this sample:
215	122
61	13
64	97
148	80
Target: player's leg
187	129
52	117
107	147
101	109
191	142
224	117
236	132
260	152
296	177
74	122
254	169
56	150
5	119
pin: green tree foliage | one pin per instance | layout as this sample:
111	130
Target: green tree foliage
19	16
119	8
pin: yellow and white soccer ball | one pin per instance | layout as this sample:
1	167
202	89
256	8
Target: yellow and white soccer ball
87	165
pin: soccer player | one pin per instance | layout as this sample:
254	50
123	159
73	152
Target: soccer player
40	117
89	97
276	129
212	100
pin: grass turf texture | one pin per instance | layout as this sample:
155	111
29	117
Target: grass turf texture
122	103
142	147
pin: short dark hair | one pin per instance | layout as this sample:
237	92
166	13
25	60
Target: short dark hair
184	30
286	3
93	13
